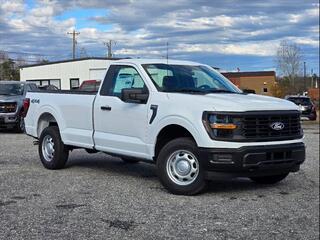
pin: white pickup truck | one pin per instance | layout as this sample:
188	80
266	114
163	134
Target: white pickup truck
185	117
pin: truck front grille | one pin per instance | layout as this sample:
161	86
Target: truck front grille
259	126
8	107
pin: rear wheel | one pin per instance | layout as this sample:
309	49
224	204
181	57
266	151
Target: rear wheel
53	153
179	167
269	179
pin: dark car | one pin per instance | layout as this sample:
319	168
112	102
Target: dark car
307	108
12	95
90	86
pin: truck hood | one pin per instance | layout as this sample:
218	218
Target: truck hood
236	102
7	98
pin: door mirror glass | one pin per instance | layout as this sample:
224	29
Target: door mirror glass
134	95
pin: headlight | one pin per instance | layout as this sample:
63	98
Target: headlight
219	125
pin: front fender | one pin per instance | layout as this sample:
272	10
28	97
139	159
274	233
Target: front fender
173	120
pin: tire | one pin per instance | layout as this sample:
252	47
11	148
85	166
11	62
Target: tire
269	179
179	167
20	127
130	160
53	153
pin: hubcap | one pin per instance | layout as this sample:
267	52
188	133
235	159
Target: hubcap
182	167
48	148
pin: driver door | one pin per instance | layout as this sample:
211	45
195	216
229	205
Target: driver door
120	127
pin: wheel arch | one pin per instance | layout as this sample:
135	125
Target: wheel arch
168	133
45	120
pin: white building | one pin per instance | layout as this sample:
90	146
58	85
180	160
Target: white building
66	74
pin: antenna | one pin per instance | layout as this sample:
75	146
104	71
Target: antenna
167	52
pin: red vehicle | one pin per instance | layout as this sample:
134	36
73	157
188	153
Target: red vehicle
90	85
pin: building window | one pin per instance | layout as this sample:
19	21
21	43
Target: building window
265	90
45	82
74	83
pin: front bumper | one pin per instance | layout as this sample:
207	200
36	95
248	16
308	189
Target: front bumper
9	120
311	116
253	161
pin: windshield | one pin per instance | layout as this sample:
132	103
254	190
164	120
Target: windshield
11	89
300	101
186	78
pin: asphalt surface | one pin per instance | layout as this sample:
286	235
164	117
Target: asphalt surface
100	197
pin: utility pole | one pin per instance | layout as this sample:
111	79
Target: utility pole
304	76
74	42
109	45
311	77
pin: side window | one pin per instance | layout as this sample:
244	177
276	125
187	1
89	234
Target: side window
159	75
121	77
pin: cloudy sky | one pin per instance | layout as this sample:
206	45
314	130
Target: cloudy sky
228	34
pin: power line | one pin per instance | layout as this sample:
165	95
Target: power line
25	53
74	42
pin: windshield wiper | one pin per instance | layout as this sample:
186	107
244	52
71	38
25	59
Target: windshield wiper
187	90
221	91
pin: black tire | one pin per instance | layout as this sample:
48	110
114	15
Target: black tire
20	127
180	146
269	179
60	153
130	160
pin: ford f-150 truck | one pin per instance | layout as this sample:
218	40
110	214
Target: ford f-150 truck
185	117
12	95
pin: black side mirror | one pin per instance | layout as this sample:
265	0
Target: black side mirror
134	95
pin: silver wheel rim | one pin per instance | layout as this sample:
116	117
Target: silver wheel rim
182	167
48	148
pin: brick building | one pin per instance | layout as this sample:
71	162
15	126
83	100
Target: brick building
260	81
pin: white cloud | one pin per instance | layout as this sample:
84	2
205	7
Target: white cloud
142	28
9	7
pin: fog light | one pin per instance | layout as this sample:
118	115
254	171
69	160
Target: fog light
222	158
12	118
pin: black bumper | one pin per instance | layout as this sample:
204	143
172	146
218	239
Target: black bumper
8	124
252	161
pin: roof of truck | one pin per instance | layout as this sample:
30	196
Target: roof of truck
154	61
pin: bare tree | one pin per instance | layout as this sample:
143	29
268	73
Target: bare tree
289	60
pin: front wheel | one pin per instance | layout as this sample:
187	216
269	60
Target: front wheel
269	179
179	167
53	153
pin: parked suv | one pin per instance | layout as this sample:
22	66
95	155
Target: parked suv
307	108
12	95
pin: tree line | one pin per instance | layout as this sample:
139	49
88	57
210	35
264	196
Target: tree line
292	77
9	67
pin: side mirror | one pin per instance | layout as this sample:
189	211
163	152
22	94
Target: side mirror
134	95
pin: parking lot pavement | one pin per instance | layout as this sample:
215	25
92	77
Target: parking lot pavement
99	197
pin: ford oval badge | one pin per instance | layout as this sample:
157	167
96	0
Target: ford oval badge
277	126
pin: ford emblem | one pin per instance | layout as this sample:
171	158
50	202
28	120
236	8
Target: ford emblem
277	126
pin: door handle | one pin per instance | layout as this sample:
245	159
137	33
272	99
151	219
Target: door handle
105	108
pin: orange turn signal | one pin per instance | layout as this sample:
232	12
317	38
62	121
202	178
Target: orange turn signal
228	126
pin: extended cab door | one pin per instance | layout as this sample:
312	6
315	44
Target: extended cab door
120	127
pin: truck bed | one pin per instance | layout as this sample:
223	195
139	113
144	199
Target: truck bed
73	110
